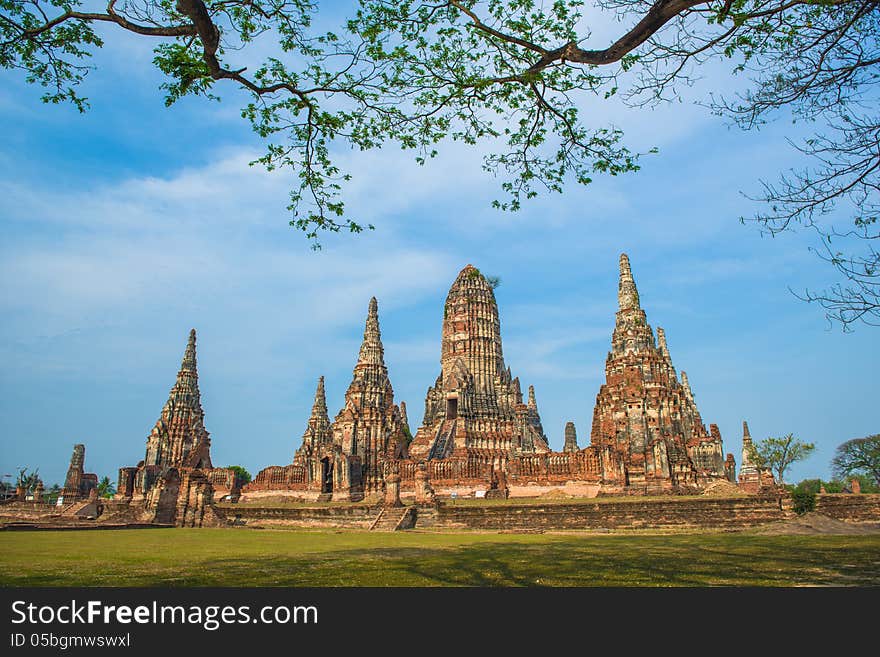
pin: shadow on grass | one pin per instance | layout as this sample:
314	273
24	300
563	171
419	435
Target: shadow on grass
715	560
651	561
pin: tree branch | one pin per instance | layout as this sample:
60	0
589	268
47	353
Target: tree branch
110	17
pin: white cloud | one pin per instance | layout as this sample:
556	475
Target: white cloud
204	247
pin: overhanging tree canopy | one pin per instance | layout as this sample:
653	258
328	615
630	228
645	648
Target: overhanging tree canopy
515	74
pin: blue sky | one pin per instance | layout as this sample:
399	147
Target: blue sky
126	226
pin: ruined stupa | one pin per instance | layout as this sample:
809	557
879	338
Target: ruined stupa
475	403
644	412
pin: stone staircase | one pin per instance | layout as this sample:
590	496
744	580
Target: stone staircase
325	497
392	519
81	508
447	431
70	508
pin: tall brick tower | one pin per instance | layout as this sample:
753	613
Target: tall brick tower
475	403
643	411
571	441
77	483
176	482
318	431
179	436
370	425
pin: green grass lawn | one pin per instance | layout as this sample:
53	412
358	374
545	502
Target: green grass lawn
241	557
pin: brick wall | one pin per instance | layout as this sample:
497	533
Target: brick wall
350	517
850	508
673	513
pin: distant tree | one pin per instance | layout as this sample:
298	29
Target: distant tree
777	454
28	480
868	486
814	486
53	493
241	474
834	486
809	486
858	456
106	488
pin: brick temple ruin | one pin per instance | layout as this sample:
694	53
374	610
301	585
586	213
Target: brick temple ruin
478	435
752	479
78	484
645	413
176	482
346	459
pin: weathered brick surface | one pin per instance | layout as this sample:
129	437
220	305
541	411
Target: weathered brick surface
346	459
18	510
476	404
350	517
675	513
78	513
571	442
176	482
78	484
645	412
850	508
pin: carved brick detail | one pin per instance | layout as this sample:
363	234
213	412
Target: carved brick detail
176	482
644	413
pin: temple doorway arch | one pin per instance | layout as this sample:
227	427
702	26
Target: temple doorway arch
452	408
326	475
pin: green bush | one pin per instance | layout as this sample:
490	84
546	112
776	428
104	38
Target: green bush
814	486
833	486
242	475
809	486
804	501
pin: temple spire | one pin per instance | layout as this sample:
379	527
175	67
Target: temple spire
687	387
181	427
189	356
404	420
318	427
571	443
372	352
661	342
185	392
663	348
748	471
627	294
319	408
534	418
